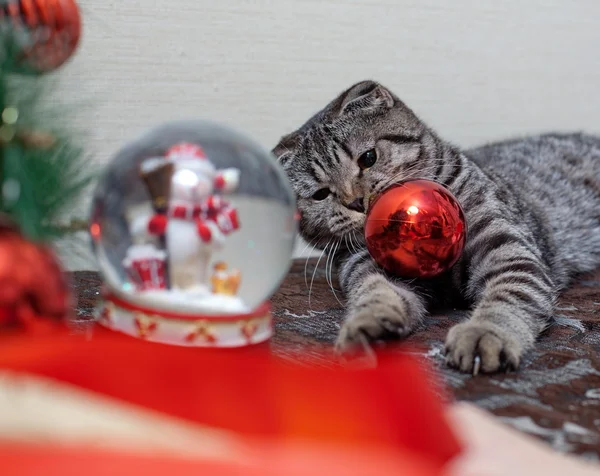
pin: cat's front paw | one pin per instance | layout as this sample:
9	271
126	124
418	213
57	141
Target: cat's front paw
482	346
372	320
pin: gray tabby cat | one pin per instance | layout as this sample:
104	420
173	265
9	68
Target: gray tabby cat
532	209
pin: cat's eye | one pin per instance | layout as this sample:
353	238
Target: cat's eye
321	194
367	159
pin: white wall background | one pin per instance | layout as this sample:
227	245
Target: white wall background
474	70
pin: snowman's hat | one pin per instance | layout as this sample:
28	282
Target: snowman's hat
190	156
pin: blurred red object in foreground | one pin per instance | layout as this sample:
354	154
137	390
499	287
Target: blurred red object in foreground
34	295
262	460
293	419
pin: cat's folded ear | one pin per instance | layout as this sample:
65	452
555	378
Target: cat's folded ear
363	96
282	150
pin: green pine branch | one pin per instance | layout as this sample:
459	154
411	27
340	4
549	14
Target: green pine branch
43	165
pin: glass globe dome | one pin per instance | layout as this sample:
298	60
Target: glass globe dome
193	227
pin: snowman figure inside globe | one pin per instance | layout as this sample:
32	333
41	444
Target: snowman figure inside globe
190	218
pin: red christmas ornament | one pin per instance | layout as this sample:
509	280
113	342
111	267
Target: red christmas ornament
415	229
47	31
34	295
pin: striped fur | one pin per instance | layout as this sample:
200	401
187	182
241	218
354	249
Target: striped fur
532	208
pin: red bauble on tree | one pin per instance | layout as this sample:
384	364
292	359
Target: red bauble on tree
34	296
46	32
415	229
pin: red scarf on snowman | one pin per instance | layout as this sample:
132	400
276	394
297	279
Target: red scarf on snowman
212	210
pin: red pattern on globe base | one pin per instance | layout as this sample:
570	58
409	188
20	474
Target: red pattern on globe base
54	26
415	229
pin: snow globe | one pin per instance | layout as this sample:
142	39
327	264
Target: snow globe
193	227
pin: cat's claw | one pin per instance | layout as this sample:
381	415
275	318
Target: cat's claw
393	328
476	365
359	354
481	347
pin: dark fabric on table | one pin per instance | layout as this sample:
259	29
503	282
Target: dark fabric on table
554	396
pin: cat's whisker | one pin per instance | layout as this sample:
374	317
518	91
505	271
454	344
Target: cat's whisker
388	183
359	245
352	238
423	171
315	272
329	257
397	180
308	256
352	245
307	245
406	174
346	242
330	279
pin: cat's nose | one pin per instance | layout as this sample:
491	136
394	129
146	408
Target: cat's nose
358	205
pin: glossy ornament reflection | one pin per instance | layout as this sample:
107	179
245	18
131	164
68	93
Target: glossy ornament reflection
415	229
193	227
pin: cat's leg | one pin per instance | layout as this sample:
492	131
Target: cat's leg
514	297
376	306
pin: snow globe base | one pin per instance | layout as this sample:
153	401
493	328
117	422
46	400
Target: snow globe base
183	328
